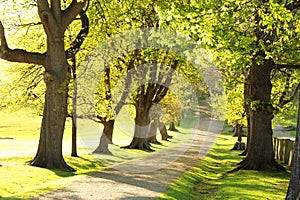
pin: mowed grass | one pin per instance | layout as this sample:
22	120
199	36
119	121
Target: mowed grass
19	135
18	180
211	178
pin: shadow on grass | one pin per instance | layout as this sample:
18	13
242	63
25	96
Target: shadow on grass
210	179
9	198
82	165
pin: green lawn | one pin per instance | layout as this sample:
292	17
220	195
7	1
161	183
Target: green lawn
211	180
19	180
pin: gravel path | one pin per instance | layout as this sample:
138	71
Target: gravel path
144	178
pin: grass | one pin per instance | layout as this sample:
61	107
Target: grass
19	180
211	180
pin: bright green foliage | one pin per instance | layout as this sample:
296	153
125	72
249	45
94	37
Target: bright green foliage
173	107
235	113
230	28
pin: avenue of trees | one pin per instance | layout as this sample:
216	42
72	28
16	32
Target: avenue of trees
255	45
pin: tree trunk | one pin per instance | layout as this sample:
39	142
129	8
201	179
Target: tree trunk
172	126
74	137
55	22
293	192
153	131
49	154
141	129
260	154
106	137
238	131
164	132
74	111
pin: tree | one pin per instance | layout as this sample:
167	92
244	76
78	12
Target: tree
55	22
150	92
257	37
173	109
293	192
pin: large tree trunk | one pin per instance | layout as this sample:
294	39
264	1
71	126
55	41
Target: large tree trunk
55	22
49	154
293	192
106	137
260	154
140	138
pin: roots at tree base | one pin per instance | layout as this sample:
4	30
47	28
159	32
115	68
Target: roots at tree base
139	143
154	141
59	165
103	145
248	164
102	150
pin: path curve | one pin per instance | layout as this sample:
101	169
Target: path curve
119	183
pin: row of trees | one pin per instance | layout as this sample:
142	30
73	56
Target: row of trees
163	65
254	43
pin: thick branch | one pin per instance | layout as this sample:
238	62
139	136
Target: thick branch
43	5
71	12
22	56
75	46
56	8
287	66
2	36
18	55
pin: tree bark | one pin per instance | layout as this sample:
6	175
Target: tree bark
172	126
260	154
164	132
55	22
74	138
106	137
293	192
141	129
49	154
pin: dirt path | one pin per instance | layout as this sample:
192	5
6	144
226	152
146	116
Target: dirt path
144	178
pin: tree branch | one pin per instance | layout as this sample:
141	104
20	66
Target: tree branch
287	66
56	8
71	12
18	55
284	101
2	36
43	5
75	46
